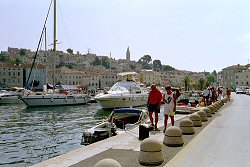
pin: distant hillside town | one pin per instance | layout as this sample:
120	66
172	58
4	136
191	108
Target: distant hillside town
92	72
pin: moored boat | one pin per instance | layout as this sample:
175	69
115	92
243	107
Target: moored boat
118	121
127	92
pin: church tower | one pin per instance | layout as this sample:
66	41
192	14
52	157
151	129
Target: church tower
128	54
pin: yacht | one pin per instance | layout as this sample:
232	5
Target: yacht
11	96
54	98
127	92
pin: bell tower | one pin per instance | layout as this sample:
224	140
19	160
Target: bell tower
128	54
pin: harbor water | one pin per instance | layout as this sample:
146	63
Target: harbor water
32	135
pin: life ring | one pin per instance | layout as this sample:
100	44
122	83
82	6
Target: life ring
51	99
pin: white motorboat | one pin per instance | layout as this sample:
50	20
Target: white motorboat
125	93
119	121
11	96
53	99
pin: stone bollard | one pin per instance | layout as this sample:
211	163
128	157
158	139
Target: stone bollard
203	116
211	108
216	107
196	119
194	110
220	103
173	137
187	127
225	100
107	163
150	152
208	112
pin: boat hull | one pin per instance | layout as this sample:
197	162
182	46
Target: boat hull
10	100
54	100
121	101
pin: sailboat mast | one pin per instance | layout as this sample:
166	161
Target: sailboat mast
54	84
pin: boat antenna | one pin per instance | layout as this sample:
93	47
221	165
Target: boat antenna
38	46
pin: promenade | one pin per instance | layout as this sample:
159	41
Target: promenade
222	141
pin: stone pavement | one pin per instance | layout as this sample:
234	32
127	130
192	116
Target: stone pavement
222	141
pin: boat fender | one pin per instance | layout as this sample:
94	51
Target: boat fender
75	99
51	99
66	99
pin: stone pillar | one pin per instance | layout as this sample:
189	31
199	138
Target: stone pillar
150	152
173	137
203	116
107	163
211	108
208	111
196	119
187	127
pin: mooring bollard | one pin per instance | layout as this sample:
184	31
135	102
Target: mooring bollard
150	152
173	137
211	108
196	119
187	126
107	163
194	110
203	116
208	111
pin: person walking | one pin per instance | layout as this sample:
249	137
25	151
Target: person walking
169	98
154	104
228	91
206	96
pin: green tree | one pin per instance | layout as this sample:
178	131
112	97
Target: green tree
18	61
146	66
145	59
132	66
167	68
4	58
186	81
157	65
97	61
210	78
22	52
201	83
105	62
71	66
70	51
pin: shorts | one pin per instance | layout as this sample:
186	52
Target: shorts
153	108
168	111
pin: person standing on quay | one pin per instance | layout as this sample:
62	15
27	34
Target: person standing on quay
228	93
169	98
154	104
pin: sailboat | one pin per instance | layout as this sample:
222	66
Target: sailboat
54	99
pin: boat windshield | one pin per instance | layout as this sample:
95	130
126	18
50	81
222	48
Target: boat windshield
125	86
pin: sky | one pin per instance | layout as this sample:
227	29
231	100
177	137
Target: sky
193	35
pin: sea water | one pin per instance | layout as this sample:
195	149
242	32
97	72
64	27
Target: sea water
31	135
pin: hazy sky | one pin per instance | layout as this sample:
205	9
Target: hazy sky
194	35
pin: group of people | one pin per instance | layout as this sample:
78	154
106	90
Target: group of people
210	95
155	99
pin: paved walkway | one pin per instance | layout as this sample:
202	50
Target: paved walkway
224	142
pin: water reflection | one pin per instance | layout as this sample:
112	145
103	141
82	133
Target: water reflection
31	135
